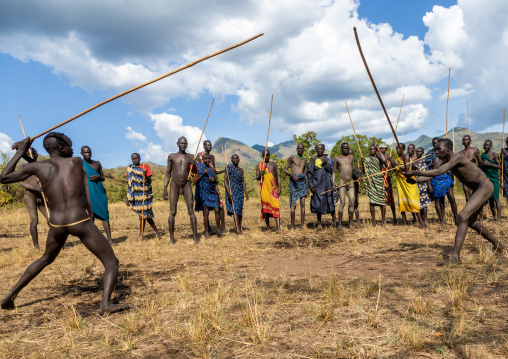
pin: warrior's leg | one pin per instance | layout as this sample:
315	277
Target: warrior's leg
293	215
302	213
173	204
222	220
351	203
217	213
189	201
151	222
206	222
96	243
373	214
31	207
383	215
342	199
54	243
453	204
107	229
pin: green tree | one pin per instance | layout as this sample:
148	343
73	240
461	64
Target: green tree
364	141
9	193
310	141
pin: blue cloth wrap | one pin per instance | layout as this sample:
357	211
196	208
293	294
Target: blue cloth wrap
97	193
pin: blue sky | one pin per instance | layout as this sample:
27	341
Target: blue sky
58	58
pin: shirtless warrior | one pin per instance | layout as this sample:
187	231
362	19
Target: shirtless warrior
64	183
179	166
33	199
471	176
298	186
472	154
344	163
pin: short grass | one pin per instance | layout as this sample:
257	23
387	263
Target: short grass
355	293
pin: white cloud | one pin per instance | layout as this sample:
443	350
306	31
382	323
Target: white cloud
307	58
270	144
170	128
464	91
5	144
153	153
472	39
134	136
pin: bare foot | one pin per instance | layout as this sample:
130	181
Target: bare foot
278	231
207	235
8	302
320	226
112	308
292	230
219	233
450	261
159	235
500	248
172	242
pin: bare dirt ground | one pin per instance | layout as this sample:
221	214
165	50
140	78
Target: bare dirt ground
355	293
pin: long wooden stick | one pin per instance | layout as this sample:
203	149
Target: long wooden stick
268	134
375	174
200	137
357	142
148	83
453	132
447	98
31	156
229	183
397	125
502	156
377	92
143	206
468	124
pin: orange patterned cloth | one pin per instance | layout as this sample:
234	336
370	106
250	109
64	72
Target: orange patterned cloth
269	194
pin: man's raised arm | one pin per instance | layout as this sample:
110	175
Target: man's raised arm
9	175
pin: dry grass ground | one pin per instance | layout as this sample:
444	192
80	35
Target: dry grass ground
361	293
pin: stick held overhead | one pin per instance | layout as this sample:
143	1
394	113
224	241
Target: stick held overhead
200	137
377	92
148	83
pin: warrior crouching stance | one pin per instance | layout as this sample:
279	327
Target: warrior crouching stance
64	182
472	177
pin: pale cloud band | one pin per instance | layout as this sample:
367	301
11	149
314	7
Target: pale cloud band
307	57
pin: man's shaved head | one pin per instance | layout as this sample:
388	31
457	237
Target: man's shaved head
53	141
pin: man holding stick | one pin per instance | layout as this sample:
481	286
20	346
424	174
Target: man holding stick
236	190
490	166
344	163
207	146
297	184
357	177
373	164
206	184
139	193
63	181
442	185
319	178
179	167
33	199
473	177
267	173
387	178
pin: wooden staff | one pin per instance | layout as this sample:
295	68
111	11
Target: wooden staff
397	125
447	98
377	93
229	183
468	124
143	205
502	158
31	156
148	83
372	175
357	142
453	132
200	137
268	134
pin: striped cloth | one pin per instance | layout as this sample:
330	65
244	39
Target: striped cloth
376	189
424	195
140	198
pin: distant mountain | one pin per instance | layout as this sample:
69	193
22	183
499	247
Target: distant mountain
284	149
477	139
249	157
